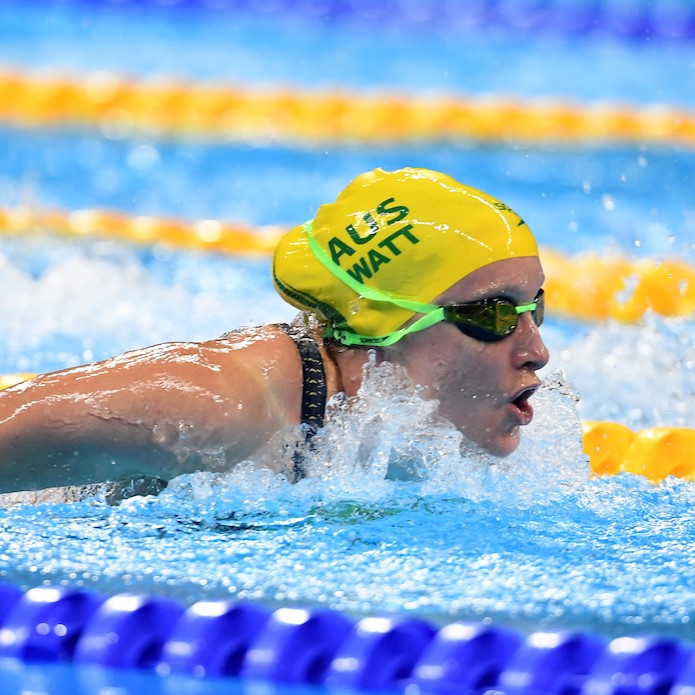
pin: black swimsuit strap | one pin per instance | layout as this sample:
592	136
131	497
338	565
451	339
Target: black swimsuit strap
313	388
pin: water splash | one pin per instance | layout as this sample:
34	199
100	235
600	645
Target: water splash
550	461
642	375
388	438
67	303
525	540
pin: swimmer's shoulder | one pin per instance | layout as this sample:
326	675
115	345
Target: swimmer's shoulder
267	346
271	349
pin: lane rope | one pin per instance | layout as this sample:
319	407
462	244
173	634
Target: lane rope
209	234
585	287
322	647
655	452
118	107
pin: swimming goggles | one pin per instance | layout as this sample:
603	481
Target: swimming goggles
487	320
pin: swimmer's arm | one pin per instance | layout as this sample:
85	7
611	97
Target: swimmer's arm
162	411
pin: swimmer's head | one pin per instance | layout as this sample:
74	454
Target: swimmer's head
390	244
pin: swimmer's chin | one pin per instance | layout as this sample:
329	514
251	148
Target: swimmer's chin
501	446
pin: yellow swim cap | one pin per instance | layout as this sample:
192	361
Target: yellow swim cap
391	242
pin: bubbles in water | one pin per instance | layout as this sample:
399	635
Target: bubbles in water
143	157
67	303
550	460
642	375
388	435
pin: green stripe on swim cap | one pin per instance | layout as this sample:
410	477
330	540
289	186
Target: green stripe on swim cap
356	286
433	313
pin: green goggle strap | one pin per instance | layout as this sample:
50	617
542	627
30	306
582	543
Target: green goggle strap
433	313
522	308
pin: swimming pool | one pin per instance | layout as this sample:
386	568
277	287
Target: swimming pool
531	545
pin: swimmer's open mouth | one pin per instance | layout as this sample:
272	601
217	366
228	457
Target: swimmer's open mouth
522	407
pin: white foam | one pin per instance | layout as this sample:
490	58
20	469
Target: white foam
388	436
642	375
98	300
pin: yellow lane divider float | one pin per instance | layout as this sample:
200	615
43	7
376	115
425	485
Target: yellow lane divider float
586	287
656	452
612	448
118	106
592	287
201	234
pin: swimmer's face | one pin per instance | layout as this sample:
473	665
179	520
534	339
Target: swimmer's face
482	388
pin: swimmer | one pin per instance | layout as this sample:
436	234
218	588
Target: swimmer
424	272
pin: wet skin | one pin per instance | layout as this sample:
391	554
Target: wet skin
181	407
482	388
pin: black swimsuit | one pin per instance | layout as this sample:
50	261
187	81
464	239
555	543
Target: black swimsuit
313	391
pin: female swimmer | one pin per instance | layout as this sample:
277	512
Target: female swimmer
430	274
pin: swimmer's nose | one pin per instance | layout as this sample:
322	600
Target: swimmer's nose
529	349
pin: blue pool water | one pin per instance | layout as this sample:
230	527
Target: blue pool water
531	542
303	48
575	199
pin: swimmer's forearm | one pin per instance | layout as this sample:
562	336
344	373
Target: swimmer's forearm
36	468
161	412
52	444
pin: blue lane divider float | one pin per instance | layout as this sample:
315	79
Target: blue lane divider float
326	648
656	19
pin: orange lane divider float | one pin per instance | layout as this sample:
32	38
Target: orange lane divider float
118	106
612	448
201	234
593	287
656	452
586	287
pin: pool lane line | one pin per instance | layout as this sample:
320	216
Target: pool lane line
654	452
327	648
586	287
206	234
164	107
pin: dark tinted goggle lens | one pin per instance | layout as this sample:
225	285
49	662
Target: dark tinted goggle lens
492	319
